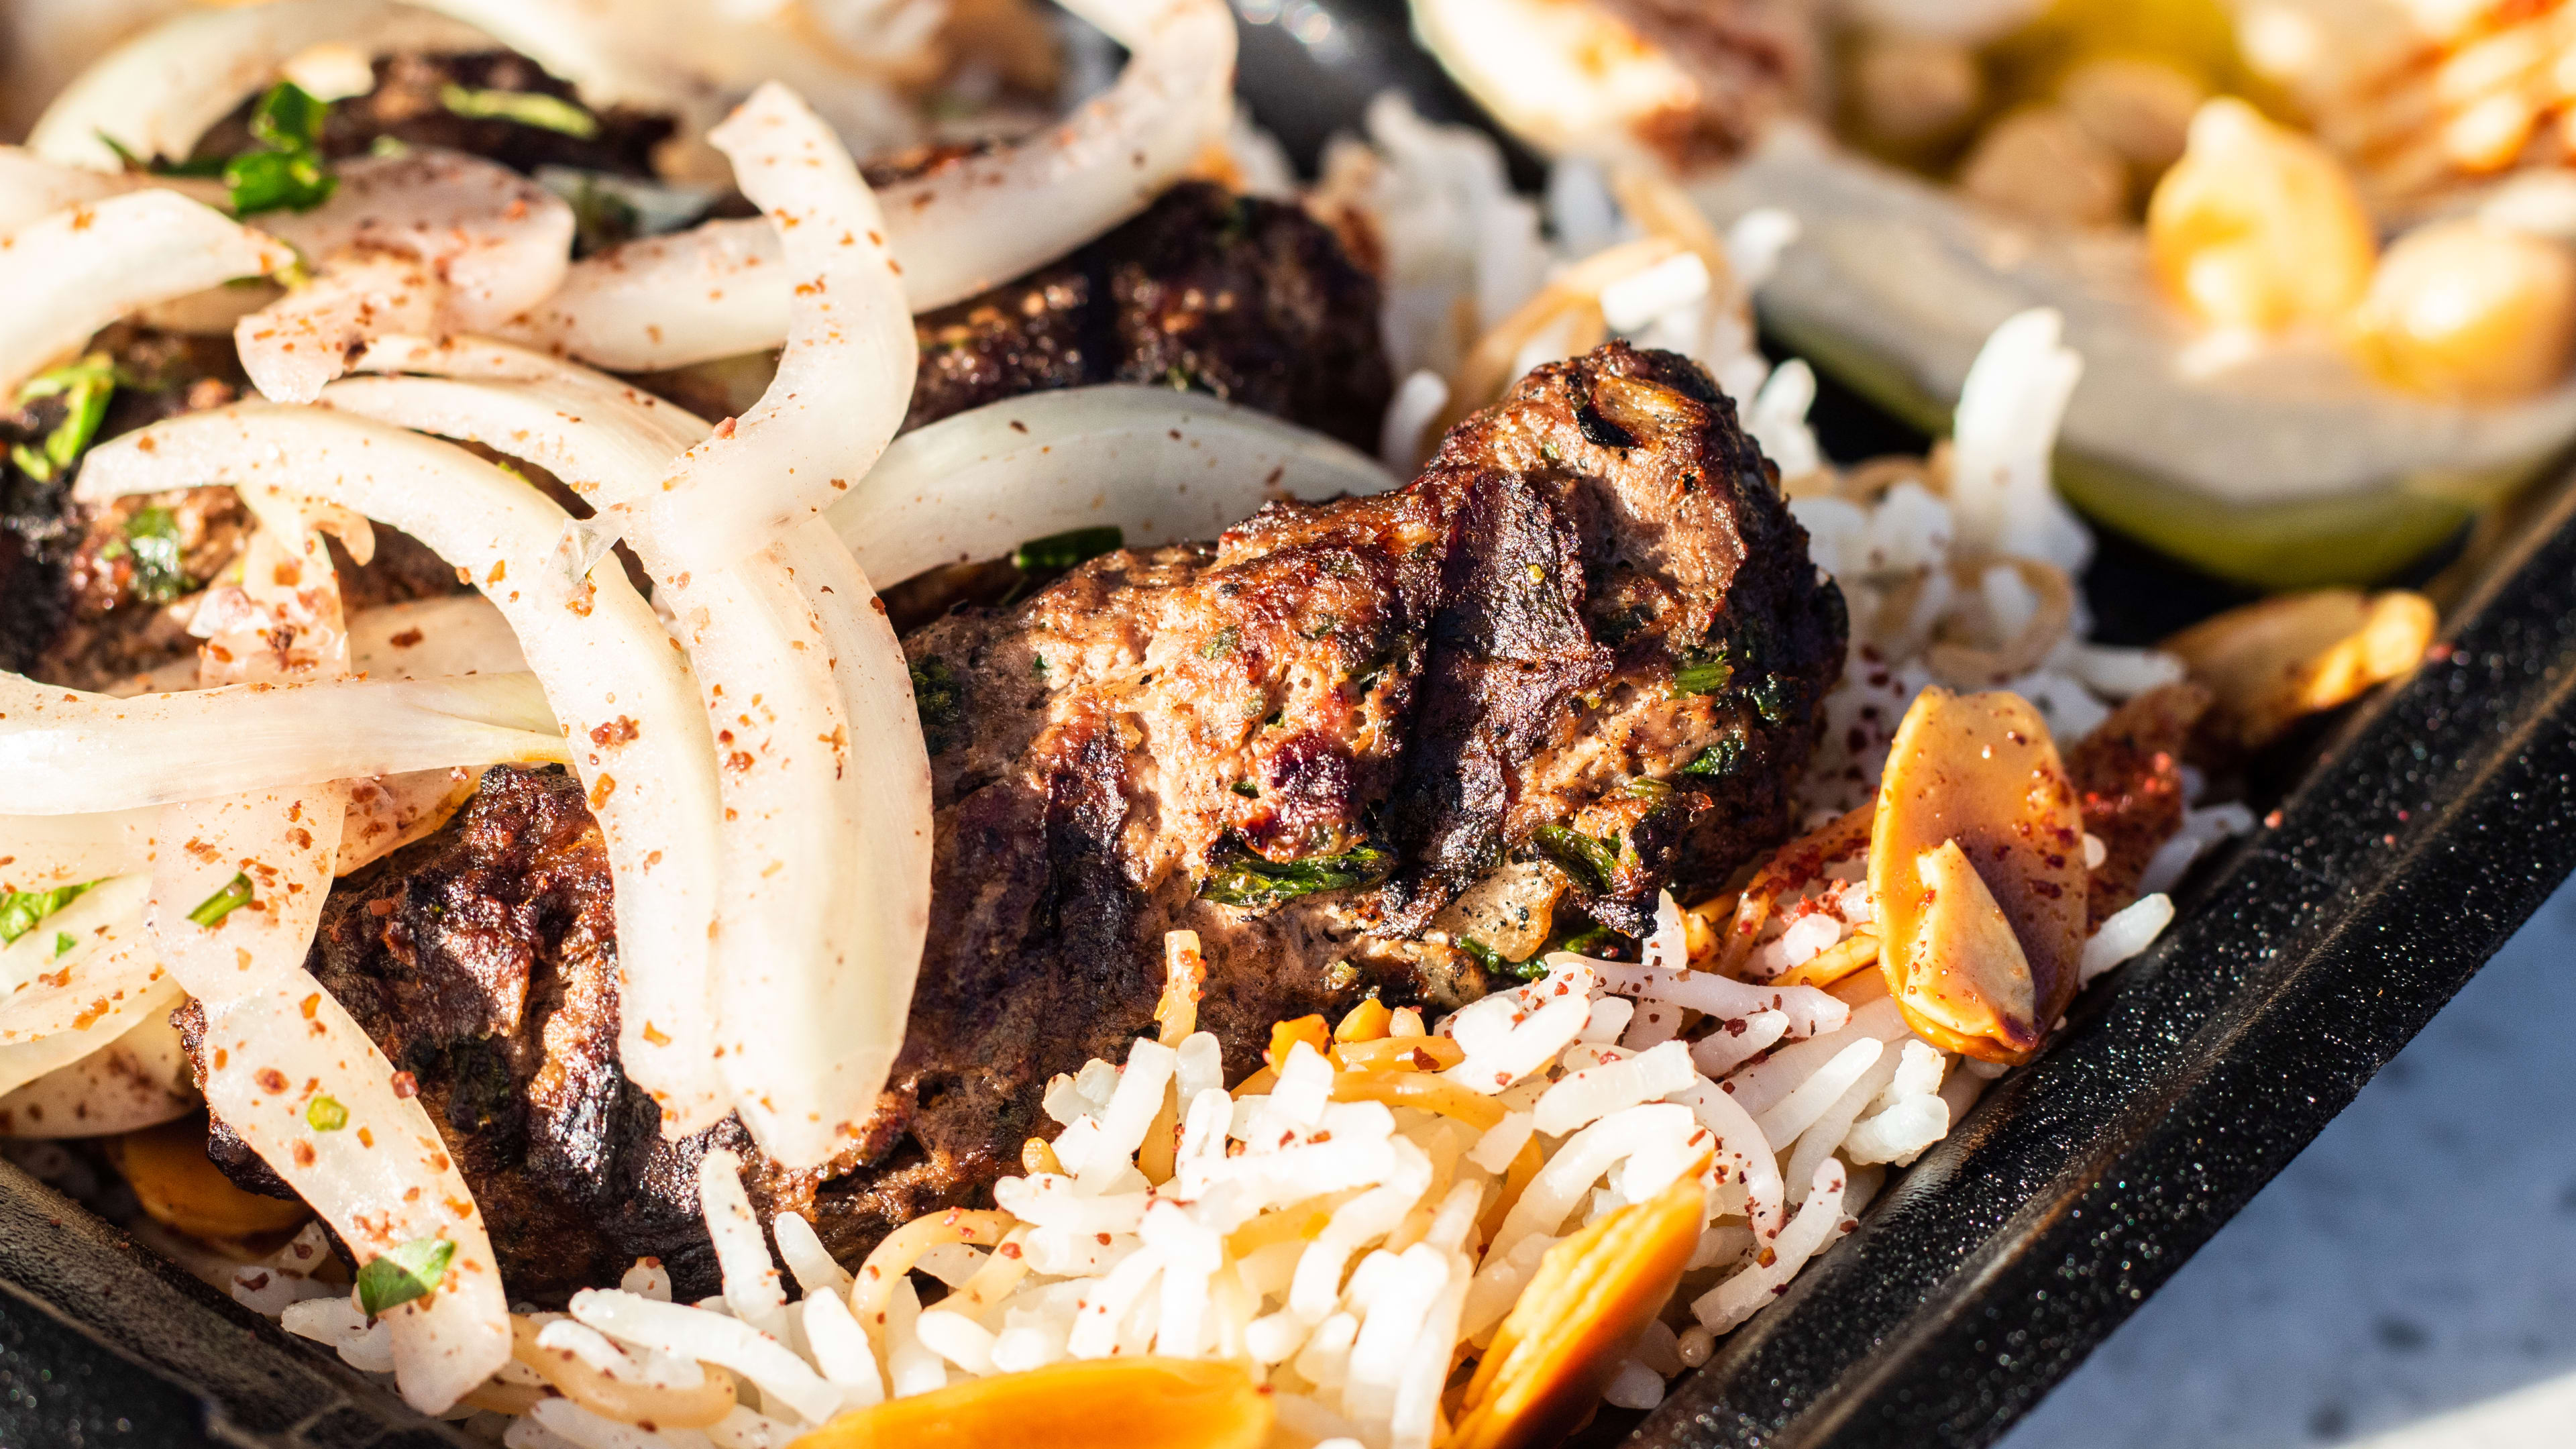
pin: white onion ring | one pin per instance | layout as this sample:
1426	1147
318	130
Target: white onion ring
138	1080
159	92
31	186
826	896
383	1179
430	241
72	272
1161	466
65	971
40	852
722	289
28	1061
70	753
845	378
431	638
641	743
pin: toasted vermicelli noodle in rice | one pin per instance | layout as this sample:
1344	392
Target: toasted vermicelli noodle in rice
1408	1228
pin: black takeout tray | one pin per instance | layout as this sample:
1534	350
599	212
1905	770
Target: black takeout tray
2424	829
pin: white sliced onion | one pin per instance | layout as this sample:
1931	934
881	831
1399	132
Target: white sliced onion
72	272
159	92
30	1061
811	1025
619	686
489	358
428	638
1160	466
719	289
426	242
284	842
77	955
31	186
68	753
722	289
986	219
826	790
845	378
138	1080
382	1178
391	811
40	852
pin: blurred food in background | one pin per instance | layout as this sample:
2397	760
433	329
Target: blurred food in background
2316	252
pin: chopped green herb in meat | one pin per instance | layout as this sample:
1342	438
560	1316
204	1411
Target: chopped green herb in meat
1073	548
1250	880
939	700
85	387
1591	861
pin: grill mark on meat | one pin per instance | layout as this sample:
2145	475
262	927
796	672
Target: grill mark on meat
1437	672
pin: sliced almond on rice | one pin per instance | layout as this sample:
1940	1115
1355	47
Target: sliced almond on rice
2274	662
1107	1403
1575	1322
1976	865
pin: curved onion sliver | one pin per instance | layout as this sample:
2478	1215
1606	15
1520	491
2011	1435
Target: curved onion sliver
382	1174
1159	465
68	753
28	1061
91	950
723	288
138	1080
156	94
72	272
31	186
622	691
427	242
718	289
40	852
845	378
826	886
430	638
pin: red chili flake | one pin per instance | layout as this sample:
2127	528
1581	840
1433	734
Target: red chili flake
270	1080
2272	821
406	1085
1104	1239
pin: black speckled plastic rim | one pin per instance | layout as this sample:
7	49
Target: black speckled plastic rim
2432	824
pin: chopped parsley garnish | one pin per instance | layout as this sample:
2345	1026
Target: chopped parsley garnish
84	386
408	1272
211	911
1703	674
1250	880
1591	861
1058	552
285	171
325	1114
63	942
152	541
941	703
526	108
1246	789
21	910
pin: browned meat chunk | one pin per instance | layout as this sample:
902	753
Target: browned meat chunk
1589	634
1245	298
91	597
1587	639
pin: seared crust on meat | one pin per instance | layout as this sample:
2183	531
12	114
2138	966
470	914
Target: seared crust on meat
1589	632
1587	642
